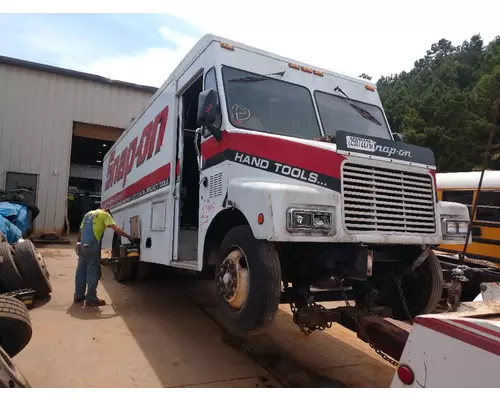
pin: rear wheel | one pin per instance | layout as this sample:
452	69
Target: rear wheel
122	270
248	282
15	325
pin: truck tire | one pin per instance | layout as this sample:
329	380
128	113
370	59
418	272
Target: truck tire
9	274
423	290
247	282
10	376
15	325
31	265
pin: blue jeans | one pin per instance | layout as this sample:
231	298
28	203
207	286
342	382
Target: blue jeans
88	273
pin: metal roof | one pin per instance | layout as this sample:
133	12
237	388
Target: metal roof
74	74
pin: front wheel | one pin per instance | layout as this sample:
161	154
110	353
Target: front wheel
248	282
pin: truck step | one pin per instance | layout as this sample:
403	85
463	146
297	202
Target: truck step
191	265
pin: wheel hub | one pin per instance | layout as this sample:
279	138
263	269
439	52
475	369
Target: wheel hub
232	279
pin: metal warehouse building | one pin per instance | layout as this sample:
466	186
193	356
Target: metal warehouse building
55	127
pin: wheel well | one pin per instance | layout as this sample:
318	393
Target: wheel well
220	225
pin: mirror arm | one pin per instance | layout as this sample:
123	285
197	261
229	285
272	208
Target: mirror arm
216	132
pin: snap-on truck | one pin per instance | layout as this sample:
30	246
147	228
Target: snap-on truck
283	183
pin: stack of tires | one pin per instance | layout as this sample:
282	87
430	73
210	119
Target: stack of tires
15	334
21	267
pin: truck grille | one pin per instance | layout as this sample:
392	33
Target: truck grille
384	200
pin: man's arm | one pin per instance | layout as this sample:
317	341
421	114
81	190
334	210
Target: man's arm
120	231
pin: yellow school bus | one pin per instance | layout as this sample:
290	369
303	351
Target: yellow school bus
461	187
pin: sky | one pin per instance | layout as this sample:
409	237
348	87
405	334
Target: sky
377	37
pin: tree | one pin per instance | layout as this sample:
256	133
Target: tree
446	102
365	76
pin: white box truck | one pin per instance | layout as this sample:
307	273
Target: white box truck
284	183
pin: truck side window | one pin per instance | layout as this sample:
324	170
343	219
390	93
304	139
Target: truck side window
211	83
460	196
488	206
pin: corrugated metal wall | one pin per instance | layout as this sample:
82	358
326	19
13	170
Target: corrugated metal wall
37	110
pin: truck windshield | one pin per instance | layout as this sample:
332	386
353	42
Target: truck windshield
344	114
264	103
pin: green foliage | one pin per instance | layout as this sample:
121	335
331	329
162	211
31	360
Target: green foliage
447	102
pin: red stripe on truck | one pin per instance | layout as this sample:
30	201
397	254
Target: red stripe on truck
278	149
135	189
474	339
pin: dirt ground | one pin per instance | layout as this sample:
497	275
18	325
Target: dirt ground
159	333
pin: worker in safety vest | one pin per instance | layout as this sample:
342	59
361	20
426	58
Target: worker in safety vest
88	249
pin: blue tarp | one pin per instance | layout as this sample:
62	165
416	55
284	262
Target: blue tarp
13	220
11	232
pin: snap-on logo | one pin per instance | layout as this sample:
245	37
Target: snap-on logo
138	151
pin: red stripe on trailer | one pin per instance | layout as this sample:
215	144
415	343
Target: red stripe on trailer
276	148
477	327
459	333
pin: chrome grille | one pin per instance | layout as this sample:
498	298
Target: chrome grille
385	200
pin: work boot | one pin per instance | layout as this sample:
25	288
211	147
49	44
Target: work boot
95	303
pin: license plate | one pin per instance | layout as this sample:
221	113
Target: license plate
356	143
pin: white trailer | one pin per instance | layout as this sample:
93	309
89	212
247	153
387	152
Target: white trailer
283	182
454	350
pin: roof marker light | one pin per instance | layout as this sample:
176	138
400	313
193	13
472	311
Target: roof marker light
370	88
226	46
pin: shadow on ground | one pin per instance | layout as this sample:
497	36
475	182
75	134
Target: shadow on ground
160	314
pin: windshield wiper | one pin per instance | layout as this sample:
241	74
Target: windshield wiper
253	78
364	113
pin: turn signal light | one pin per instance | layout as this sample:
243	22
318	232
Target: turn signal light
260	219
405	374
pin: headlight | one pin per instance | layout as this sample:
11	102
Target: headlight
306	220
455	227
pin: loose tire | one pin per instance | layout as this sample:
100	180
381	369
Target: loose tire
10	376
31	265
15	325
248	282
9	274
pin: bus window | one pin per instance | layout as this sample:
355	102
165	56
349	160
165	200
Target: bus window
488	207
459	196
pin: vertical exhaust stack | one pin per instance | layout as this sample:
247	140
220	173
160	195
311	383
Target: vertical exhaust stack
495	125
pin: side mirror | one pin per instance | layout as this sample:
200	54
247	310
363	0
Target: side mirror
398	137
207	112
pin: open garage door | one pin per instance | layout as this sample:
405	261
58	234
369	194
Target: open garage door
89	145
98	132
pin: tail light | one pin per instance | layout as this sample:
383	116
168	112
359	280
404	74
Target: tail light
405	374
